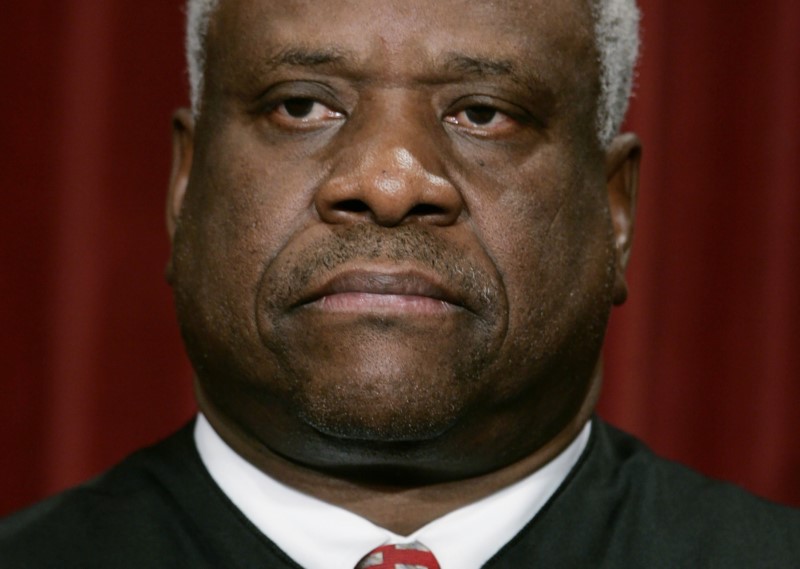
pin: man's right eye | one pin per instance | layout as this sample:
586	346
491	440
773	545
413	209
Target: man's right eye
300	112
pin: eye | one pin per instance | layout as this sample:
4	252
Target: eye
482	119
302	112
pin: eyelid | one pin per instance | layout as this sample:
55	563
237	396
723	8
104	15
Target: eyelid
281	106
278	93
506	124
270	110
515	112
279	119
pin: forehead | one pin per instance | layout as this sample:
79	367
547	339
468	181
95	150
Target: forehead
549	38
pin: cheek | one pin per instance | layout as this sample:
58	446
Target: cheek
246	203
239	213
548	234
256	194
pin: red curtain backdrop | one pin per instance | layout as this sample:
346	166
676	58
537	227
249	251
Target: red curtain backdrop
703	362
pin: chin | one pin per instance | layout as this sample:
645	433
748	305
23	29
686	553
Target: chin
386	381
383	401
382	420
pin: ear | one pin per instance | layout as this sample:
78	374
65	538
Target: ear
622	182
182	152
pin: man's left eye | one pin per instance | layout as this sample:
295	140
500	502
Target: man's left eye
481	117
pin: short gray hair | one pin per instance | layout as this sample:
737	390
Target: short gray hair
198	18
616	30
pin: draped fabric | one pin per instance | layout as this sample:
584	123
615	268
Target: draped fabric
702	362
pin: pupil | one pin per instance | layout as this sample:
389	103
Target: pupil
298	108
480	115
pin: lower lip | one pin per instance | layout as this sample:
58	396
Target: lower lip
363	302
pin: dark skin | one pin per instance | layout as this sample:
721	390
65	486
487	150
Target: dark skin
396	242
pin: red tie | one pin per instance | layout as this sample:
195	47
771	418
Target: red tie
401	556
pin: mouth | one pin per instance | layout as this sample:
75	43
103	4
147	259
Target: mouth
382	290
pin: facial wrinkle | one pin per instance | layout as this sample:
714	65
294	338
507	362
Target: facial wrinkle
410	244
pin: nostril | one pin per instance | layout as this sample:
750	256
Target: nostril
351	206
426	209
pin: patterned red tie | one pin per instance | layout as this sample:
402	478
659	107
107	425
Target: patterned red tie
401	556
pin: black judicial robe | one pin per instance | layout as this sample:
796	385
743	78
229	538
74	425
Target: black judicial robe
620	507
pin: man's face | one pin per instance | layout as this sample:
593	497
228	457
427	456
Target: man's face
395	233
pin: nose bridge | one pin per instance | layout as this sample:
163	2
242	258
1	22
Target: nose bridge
393	166
389	171
395	140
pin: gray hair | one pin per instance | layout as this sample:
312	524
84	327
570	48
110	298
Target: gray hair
616	30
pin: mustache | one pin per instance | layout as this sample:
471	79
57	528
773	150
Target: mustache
413	245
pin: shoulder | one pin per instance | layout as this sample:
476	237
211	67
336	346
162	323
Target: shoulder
676	492
634	505
124	514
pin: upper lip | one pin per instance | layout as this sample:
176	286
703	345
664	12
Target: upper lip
383	281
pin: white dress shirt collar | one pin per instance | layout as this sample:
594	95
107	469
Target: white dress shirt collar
463	539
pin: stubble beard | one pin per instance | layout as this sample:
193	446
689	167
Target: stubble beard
392	381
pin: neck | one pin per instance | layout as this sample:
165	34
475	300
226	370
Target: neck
400	509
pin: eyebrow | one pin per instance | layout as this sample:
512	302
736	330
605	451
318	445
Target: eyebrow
467	65
481	67
455	63
302	57
452	63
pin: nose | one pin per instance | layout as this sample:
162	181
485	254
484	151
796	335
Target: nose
388	177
